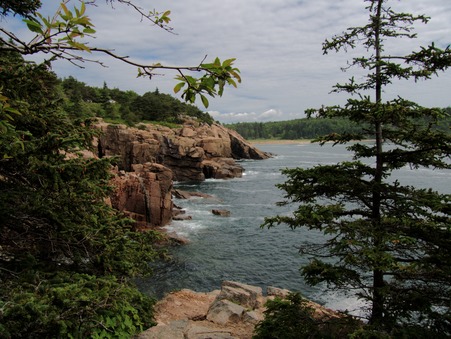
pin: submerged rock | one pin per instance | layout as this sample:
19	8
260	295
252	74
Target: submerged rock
222	213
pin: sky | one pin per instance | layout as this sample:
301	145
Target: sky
277	45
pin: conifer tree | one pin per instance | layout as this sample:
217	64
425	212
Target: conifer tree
388	241
67	259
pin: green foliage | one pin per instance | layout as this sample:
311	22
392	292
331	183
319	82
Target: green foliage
63	31
126	106
310	128
293	318
63	36
23	8
7	114
387	241
217	75
67	259
61	245
295	129
74	306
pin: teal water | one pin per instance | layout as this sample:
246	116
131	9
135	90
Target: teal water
236	248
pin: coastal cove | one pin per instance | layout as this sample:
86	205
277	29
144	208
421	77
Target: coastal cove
236	248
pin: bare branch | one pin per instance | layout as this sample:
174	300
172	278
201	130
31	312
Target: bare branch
151	16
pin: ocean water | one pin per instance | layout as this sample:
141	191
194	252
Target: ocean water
237	248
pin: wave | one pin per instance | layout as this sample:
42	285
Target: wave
249	173
185	228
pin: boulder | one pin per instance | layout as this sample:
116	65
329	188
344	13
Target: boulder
222	168
174	330
243	294
222	213
223	311
186	314
194	331
272	291
253	317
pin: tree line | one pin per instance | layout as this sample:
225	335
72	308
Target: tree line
113	104
310	128
294	129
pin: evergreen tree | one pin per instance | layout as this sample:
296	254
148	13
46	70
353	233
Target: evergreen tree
388	241
24	8
66	258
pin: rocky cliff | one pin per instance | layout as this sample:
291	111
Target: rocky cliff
144	194
194	152
151	157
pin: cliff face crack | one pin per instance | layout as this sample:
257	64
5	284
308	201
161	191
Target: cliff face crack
146	199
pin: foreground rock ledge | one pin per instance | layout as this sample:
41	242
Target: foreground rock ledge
229	313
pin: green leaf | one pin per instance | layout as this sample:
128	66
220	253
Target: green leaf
33	26
228	62
231	82
82	8
178	87
235	74
89	30
191	81
66	11
204	100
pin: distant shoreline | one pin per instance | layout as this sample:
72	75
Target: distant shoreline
289	142
278	141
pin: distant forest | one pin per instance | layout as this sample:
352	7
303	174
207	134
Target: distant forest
127	107
306	128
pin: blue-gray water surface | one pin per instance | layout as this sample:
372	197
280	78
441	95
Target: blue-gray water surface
236	248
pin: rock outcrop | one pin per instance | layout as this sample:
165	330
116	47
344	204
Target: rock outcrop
193	152
229	313
144	194
180	194
151	157
221	213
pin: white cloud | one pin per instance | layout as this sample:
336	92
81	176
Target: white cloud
277	44
269	115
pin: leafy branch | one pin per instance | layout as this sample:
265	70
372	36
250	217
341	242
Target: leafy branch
62	37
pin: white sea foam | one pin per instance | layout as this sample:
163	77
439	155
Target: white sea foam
249	173
185	228
340	302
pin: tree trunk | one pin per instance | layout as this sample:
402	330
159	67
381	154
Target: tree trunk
377	312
